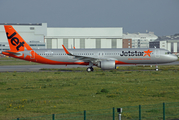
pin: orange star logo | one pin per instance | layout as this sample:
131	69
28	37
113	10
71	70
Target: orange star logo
147	53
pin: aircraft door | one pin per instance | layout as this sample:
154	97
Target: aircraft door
157	53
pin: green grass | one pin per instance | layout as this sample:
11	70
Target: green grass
33	94
30	94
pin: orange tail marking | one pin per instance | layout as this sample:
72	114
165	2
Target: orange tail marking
16	42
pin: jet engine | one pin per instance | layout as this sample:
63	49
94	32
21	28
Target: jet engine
107	65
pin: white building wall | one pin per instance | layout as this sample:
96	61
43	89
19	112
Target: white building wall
169	47
89	34
60	43
54	43
163	44
70	43
90	43
175	47
105	43
119	43
3	37
77	43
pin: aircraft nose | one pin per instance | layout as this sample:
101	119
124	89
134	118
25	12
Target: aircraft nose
174	58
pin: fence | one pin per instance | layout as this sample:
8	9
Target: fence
141	112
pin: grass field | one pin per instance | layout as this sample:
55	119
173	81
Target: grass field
31	94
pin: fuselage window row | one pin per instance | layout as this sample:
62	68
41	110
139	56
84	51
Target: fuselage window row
66	54
87	54
81	54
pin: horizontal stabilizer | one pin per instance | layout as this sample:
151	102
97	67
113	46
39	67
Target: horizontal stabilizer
14	53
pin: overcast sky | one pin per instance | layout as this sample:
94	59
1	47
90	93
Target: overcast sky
158	16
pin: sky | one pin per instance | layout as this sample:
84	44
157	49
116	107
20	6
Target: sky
158	16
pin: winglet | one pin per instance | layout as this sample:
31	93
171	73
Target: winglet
68	53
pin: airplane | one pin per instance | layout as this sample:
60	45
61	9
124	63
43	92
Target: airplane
106	59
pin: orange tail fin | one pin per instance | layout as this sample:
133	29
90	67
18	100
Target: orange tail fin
16	42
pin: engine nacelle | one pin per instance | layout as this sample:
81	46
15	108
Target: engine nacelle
107	65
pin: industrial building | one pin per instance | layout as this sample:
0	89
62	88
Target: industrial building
84	38
140	40
170	43
39	36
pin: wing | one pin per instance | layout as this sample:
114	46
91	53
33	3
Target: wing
78	57
93	60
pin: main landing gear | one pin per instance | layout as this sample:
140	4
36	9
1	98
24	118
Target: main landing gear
156	67
89	69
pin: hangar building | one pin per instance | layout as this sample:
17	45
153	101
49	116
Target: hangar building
39	36
82	38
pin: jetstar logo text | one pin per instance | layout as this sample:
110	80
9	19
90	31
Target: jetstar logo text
136	53
131	53
15	41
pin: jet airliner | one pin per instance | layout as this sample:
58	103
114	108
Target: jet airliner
105	59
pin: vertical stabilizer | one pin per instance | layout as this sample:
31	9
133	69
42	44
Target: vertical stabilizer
16	42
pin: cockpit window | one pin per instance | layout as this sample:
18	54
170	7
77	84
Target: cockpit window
168	53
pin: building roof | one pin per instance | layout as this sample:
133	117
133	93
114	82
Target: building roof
139	35
115	32
170	37
33	24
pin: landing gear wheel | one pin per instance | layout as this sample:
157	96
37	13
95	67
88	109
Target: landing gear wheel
89	69
156	67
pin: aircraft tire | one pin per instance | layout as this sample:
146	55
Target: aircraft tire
89	69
